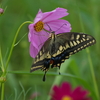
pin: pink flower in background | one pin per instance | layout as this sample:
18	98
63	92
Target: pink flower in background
65	92
48	20
1	11
34	96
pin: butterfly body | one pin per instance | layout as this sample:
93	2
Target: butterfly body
60	47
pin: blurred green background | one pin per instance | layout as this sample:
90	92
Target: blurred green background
84	16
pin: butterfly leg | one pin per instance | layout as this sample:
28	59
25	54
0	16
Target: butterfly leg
44	77
59	70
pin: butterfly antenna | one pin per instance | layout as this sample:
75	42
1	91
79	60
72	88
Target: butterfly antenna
60	27
49	27
44	76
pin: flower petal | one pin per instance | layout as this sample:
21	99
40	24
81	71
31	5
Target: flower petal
37	39
33	51
66	86
79	94
31	31
57	93
38	16
55	14
59	26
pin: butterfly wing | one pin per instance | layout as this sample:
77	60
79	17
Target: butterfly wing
40	58
72	42
67	44
56	50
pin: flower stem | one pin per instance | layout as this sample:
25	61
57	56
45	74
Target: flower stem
93	74
2	66
2	91
14	40
90	61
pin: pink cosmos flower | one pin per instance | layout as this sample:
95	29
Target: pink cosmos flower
48	20
65	92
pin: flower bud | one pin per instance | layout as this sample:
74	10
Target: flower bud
1	11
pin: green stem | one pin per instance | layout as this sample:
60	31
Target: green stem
90	61
2	66
14	40
2	91
93	74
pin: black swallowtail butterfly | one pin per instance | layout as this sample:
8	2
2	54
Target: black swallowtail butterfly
58	48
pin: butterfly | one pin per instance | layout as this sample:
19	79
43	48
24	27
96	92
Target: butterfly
60	47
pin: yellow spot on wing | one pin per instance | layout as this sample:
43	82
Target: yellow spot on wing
93	41
75	51
71	44
78	42
83	35
40	53
72	37
74	43
67	46
58	52
60	48
83	39
78	36
71	53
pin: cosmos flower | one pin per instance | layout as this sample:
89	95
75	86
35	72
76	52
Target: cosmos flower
65	92
46	21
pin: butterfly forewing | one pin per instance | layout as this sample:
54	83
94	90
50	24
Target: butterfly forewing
72	42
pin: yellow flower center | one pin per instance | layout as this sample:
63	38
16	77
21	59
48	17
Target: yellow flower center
66	98
39	26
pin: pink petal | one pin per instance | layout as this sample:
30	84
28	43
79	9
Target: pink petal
38	16
66	88
56	89
31	31
33	51
54	15
37	40
37	37
59	26
57	93
79	93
